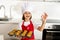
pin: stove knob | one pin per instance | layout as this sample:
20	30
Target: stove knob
54	27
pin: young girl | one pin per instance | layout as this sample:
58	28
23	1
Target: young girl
27	24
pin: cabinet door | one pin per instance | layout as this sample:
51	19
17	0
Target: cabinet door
5	28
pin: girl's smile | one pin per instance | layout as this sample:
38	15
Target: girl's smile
27	15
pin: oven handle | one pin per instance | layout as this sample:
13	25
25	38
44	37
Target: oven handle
53	31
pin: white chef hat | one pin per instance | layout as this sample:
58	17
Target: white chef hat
27	7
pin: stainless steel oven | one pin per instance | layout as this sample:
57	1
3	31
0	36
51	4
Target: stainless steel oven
52	33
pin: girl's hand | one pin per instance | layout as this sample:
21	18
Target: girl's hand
44	17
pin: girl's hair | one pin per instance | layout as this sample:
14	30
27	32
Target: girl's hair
23	18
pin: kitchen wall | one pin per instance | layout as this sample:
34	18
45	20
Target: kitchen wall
14	7
50	8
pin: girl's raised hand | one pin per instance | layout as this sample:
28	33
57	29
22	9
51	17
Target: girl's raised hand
44	17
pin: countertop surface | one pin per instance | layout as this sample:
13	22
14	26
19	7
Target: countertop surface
17	39
9	22
17	21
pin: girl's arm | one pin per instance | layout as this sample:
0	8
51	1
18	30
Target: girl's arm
44	17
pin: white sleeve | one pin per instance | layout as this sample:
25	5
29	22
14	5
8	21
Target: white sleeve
37	23
19	26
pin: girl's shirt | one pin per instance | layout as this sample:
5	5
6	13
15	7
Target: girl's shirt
35	23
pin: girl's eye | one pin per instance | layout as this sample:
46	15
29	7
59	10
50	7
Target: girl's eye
29	13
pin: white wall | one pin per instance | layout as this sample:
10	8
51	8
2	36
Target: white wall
52	9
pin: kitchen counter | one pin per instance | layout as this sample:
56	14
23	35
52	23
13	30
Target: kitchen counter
10	21
18	39
15	38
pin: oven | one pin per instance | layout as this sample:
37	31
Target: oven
52	33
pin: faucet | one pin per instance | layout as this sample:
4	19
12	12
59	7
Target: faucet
2	6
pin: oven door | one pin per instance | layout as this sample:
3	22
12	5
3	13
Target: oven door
52	34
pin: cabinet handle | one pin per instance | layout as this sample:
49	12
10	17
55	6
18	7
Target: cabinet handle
53	31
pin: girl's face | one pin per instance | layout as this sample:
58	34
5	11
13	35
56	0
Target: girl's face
27	15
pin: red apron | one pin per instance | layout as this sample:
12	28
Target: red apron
30	27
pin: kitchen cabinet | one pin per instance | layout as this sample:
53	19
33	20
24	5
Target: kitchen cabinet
5	28
1	37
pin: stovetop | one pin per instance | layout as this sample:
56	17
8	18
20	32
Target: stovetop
52	26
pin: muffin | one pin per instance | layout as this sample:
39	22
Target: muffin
12	32
24	33
29	34
18	33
